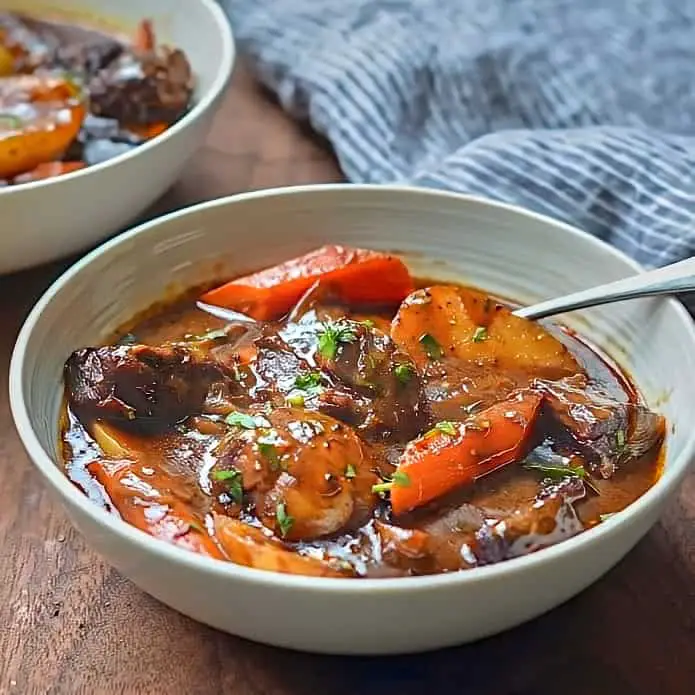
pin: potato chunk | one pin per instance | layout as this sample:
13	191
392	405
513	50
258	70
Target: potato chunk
449	322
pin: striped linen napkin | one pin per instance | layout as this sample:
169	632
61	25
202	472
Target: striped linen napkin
580	109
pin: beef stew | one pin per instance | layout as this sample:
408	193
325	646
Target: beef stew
355	422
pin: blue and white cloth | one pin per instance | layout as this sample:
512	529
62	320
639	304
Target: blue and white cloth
580	109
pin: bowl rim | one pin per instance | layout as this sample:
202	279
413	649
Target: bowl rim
160	550
223	73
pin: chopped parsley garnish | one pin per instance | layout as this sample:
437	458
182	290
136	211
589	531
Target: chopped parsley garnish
269	452
399	478
560	472
284	520
9	121
605	517
127	339
195	526
556	472
480	334
296	400
306	385
308	380
350	471
432	348
223	476
620	439
368	323
404	372
445	427
246	422
232	479
333	335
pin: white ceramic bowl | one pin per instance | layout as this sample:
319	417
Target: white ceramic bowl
51	219
506	250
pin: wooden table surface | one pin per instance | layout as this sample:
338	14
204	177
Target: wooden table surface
71	624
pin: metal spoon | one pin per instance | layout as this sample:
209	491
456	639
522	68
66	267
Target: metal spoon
671	279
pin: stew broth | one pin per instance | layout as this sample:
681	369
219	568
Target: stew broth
560	486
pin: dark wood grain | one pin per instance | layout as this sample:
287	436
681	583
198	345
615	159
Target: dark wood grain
70	624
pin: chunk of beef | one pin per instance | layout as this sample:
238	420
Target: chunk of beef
452	389
608	432
143	88
377	385
265	368
350	407
466	538
277	368
85	58
550	519
369	383
139	387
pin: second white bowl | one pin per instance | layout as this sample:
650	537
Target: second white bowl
54	218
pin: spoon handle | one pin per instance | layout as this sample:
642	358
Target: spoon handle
671	279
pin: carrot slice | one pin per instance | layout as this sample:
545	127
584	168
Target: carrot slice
40	115
356	276
147	131
155	511
456	454
144	39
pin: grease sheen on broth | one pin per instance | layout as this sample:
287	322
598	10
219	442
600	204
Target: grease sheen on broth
288	460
